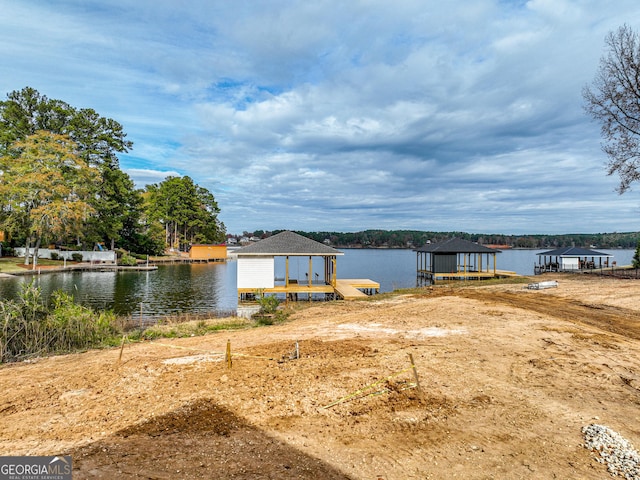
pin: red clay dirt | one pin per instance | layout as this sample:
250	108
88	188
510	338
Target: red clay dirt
509	376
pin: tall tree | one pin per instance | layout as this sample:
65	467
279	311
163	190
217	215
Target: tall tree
188	212
98	140
46	187
614	100
27	111
635	262
117	204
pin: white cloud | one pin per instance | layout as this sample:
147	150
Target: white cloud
142	177
344	115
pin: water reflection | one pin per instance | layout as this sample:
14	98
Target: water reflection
172	289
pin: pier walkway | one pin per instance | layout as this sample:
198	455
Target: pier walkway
348	289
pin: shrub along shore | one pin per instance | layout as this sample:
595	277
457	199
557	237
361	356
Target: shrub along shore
32	328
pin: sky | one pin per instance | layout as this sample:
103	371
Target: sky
342	116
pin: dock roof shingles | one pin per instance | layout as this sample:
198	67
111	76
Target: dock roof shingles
574	252
456	245
288	243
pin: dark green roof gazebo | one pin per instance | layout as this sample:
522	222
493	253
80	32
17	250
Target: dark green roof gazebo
455	258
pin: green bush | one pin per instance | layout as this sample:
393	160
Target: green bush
55	255
269	313
77	327
268	303
77	257
30	328
263	319
127	260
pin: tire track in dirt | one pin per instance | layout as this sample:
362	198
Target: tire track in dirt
620	321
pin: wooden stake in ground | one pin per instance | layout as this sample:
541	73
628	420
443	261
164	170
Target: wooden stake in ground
121	348
228	355
415	373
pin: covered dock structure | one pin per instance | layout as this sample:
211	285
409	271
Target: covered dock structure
256	270
571	259
456	259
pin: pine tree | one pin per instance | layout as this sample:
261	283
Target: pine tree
636	257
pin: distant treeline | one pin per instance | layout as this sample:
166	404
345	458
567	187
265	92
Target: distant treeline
417	238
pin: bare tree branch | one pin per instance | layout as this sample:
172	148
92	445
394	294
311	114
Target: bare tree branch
613	99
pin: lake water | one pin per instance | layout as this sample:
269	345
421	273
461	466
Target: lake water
203	288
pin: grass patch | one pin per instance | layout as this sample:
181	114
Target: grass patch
264	319
194	328
14	265
10	265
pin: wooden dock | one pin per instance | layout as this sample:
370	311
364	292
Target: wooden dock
462	275
506	273
345	289
86	267
350	289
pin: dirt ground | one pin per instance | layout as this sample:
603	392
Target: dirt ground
508	376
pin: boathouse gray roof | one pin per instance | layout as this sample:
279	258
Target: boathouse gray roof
573	252
455	245
290	244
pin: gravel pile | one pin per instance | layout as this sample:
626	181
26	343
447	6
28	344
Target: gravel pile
615	451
